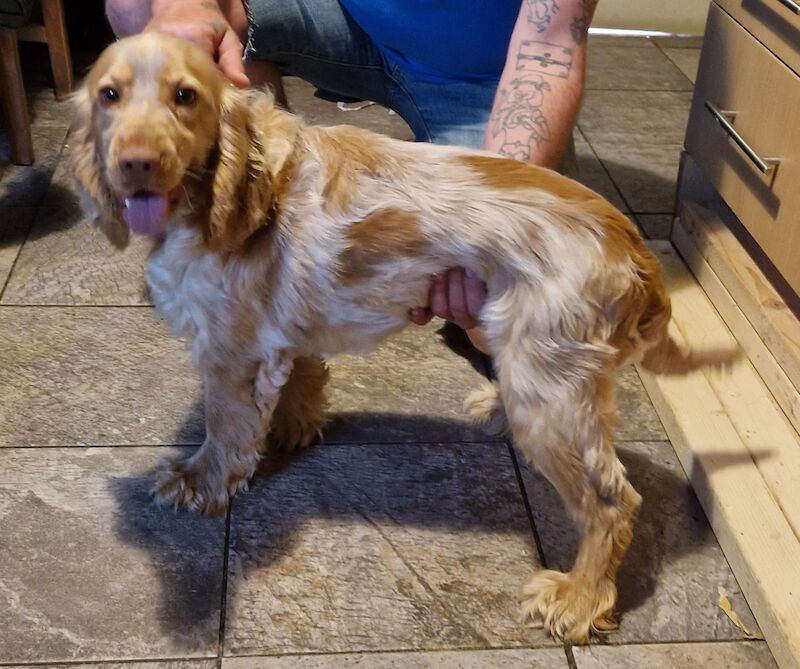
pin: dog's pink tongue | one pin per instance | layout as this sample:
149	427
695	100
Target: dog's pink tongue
146	214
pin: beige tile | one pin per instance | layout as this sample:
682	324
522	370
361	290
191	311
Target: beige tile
655	226
647	174
410	389
738	655
616	67
15	222
352	548
669	579
686	60
68	262
634	117
25	185
90	376
540	658
95	571
323	112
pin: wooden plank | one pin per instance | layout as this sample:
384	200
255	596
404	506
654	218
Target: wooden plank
760	423
767	312
15	104
750	526
779	384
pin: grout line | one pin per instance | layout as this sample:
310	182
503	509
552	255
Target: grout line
674	64
31	224
224	590
570	657
528	510
605	169
396	651
470	444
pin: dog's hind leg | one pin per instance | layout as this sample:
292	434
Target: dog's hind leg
300	413
564	430
240	399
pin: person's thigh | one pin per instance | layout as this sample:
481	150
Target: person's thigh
453	113
317	41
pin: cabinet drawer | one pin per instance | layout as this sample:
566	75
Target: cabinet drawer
738	74
776	23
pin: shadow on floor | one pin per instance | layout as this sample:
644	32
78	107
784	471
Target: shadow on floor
293	489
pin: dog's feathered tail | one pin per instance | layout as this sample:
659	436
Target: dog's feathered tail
668	357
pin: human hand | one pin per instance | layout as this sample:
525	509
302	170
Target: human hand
204	24
457	296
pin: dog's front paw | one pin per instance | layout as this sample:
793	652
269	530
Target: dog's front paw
568	606
186	482
485	407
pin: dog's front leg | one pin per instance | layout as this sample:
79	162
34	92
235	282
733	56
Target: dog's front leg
240	400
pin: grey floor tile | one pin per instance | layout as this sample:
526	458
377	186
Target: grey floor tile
668	583
302	101
679	41
646	174
655	226
25	185
634	117
540	658
618	68
365	547
67	262
686	60
44	109
620	40
162	664
637	419
88	376
590	172
15	222
95	570
730	655
411	389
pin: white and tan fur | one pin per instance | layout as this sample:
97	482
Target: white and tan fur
291	243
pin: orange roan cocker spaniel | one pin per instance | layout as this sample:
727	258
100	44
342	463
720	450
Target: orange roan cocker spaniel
279	244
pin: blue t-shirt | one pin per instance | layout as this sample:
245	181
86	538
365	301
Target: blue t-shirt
440	40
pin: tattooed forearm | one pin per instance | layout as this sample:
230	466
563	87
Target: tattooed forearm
519	123
579	26
545	58
541	13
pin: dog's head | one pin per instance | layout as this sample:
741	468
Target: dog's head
153	116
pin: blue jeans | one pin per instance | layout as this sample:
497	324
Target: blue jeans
317	40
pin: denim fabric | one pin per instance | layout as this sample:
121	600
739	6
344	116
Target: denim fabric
319	42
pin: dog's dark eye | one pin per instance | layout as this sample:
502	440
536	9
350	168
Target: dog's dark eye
109	95
185	96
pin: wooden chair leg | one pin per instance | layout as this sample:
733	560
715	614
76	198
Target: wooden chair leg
15	104
57	44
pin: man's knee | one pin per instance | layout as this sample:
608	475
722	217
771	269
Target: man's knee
128	17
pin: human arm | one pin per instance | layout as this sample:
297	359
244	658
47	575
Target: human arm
540	89
216	26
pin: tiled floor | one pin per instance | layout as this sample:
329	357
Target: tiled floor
399	542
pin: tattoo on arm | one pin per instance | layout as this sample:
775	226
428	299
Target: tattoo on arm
579	26
541	13
519	123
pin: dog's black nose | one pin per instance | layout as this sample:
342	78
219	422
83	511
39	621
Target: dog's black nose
137	166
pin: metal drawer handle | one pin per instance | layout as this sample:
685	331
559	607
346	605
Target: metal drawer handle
724	118
791	6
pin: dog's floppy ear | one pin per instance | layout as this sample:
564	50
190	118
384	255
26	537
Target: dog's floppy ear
88	171
249	162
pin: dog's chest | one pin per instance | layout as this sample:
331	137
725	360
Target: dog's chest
185	283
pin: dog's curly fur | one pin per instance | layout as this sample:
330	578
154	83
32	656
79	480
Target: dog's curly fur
289	243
